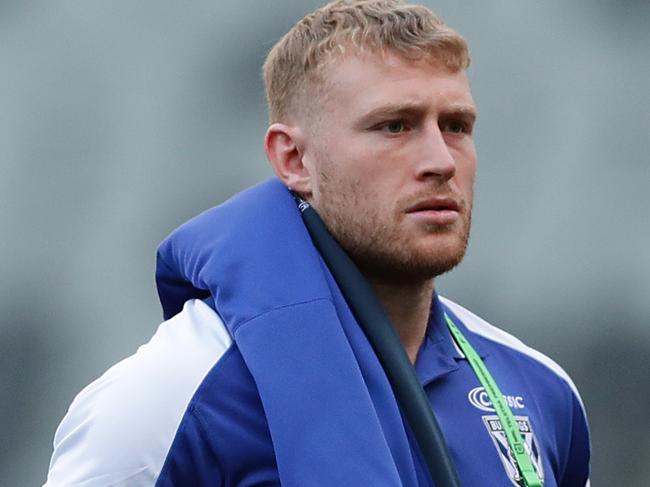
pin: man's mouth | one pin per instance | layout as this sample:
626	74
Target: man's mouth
439	211
435	204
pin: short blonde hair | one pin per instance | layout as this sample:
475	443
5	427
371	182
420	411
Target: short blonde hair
295	63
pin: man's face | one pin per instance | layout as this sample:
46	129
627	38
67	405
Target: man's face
392	164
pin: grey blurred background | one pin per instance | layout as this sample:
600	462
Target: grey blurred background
121	119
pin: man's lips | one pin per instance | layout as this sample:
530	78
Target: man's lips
440	211
435	204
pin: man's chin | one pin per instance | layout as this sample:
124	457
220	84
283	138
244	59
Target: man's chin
433	266
417	256
411	267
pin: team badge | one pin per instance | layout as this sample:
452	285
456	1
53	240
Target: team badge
494	427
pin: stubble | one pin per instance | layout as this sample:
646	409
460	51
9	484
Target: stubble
375	238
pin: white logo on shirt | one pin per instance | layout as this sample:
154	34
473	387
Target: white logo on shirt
480	399
493	425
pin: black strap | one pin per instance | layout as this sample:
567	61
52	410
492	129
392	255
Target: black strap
383	338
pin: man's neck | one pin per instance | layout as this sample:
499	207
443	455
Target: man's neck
408	306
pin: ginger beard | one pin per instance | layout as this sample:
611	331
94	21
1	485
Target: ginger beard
375	230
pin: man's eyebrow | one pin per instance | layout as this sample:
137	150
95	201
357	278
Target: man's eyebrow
392	110
402	109
460	110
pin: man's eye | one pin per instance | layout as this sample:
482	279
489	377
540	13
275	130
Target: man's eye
395	126
455	127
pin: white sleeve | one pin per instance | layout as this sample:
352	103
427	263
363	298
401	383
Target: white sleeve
118	429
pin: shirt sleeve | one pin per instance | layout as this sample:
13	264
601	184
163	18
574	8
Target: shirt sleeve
119	429
577	466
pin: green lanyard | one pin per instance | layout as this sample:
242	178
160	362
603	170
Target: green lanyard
515	441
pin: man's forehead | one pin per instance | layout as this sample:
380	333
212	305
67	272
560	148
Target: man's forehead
388	82
355	62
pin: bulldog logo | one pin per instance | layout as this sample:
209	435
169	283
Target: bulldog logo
494	427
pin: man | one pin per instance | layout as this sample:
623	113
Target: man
261	374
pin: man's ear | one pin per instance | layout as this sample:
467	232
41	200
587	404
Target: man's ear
284	147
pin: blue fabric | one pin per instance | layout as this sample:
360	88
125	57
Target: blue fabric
301	400
223	439
267	282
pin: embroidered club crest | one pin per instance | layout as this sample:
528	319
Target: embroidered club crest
494	427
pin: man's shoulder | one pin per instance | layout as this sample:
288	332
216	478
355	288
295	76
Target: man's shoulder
122	424
495	338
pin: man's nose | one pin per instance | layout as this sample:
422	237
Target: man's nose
434	159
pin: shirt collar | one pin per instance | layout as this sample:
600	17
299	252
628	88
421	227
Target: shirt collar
439	354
